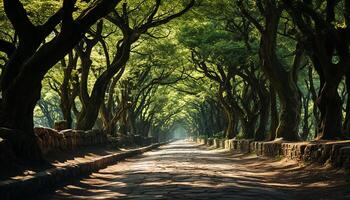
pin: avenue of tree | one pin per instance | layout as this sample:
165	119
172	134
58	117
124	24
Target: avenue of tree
249	69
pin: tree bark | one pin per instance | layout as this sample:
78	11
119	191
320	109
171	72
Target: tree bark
329	47
90	112
306	130
274	121
281	80
264	114
230	131
330	105
346	124
22	76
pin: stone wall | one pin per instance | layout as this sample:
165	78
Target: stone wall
51	178
336	153
50	139
130	140
53	140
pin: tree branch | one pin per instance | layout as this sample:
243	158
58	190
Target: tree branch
150	24
7	47
18	17
254	21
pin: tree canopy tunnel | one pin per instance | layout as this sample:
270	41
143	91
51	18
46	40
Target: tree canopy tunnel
229	69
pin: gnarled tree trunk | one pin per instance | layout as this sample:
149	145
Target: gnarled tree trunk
282	81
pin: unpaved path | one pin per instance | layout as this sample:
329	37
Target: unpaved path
185	170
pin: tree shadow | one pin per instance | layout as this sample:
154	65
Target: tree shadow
22	168
164	186
193	172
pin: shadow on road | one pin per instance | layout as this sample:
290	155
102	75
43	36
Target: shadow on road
184	170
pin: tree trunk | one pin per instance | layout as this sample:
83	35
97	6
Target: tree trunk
346	124
123	122
67	115
274	121
313	93
131	122
44	107
260	133
89	114
230	129
22	76
329	102
17	113
248	127
330	105
281	80
306	130
290	107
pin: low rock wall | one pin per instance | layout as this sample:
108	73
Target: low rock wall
50	139
336	153
49	179
133	140
53	140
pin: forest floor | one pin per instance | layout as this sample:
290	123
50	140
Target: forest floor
185	170
58	159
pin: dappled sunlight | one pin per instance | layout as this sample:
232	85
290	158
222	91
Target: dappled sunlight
186	170
104	99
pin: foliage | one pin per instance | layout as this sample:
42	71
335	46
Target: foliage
204	71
